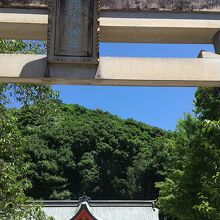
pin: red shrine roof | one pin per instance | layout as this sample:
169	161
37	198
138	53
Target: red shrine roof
84	215
83	212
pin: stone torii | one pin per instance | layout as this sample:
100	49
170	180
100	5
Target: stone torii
139	21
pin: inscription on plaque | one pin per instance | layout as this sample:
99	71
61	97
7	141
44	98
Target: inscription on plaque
73	31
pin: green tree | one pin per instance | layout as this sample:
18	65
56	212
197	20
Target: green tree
14	168
13	174
191	190
75	150
208	103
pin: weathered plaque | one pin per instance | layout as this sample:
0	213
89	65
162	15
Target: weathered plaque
73	35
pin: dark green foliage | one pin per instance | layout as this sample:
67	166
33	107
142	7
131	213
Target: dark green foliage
75	150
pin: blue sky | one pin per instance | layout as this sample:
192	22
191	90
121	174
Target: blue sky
161	107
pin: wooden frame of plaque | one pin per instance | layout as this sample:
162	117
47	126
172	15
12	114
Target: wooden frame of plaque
73	31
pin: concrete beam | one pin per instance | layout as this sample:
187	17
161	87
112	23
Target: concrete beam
113	71
23	24
208	55
160	27
141	5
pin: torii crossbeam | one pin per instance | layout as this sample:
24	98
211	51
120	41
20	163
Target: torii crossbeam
144	21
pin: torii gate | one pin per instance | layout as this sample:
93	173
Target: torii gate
140	21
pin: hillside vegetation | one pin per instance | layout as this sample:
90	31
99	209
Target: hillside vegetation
75	150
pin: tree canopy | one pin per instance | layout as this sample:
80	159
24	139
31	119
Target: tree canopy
75	150
191	190
14	167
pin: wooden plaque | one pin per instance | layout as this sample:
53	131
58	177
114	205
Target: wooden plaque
73	35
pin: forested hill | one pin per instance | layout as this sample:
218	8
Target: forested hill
75	150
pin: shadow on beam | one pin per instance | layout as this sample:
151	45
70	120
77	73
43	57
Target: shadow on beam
114	71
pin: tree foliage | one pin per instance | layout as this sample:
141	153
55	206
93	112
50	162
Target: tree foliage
22	47
191	190
75	150
208	103
14	168
13	174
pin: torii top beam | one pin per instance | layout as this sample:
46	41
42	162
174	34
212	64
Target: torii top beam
143	5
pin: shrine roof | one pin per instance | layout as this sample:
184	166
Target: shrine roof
103	209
